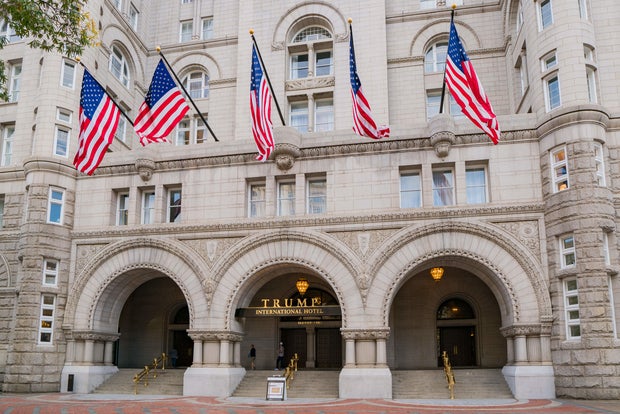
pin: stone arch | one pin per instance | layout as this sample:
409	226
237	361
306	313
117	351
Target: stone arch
5	271
193	61
102	287
308	9
311	252
439	29
510	270
114	35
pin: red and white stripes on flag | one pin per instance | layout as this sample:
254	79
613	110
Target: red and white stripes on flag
363	123
163	108
260	108
99	118
466	88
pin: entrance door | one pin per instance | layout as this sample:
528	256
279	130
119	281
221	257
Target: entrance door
328	348
294	342
184	346
460	344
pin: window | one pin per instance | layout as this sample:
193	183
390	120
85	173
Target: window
174	205
191	131
559	170
121	129
600	164
588	53
119	66
55	206
317	195
552	92
299	66
545	14
571	306
435	57
476	183
443	187
433	102
148	207
46	320
567	251
583	9
187	30
298	116
606	249
63	115
67	77
1	210
50	272
311	53
523	74
8	131
117	3
324	115
207	28
256	200
133	17
7	31
286	198
15	73
410	190
186	1
122	209
549	61
197	84
61	141
519	22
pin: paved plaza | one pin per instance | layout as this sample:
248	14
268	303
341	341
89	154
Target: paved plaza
132	404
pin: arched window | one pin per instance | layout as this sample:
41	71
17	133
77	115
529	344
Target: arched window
197	84
435	57
314	57
455	309
119	66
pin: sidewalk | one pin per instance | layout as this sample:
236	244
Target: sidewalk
133	404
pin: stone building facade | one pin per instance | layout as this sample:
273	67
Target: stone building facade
188	245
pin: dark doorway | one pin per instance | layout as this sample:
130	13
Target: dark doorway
328	348
460	344
181	344
294	343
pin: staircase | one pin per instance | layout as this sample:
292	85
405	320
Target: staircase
431	384
307	384
168	382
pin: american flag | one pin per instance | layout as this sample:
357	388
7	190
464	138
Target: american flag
466	88
363	123
260	107
163	108
99	118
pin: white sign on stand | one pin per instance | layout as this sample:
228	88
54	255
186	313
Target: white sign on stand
276	388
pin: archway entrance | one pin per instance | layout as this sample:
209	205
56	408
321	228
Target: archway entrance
153	320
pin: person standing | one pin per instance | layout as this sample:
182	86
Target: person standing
280	359
252	357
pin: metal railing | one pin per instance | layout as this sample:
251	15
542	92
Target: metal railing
143	376
447	368
289	372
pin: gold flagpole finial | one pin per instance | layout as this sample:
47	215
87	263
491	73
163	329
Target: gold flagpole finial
158	49
77	59
251	31
453	6
350	20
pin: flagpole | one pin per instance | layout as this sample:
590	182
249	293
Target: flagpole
443	86
267	76
186	93
106	92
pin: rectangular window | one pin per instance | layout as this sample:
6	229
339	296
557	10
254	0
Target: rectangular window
174	205
559	170
433	99
187	30
299	116
545	14
523	74
148	207
299	66
207	28
519	17
183	129
50	272
1	211
583	9
549	61
15	74
443	187
67	77
46	319
8	131
7	31
591	83
476	183
191	131
600	164
324	115
122	209
324	63
186	1
571	306
567	251
317	195
256	200
455	108
552	92
55	206
286	198
121	129
133	17
410	190
61	141
606	248
63	115
611	282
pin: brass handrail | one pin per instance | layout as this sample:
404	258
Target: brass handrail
447	368
144	374
289	372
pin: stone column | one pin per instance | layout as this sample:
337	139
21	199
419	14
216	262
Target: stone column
237	353
349	352
89	349
224	352
197	357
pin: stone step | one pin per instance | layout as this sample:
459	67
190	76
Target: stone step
167	382
305	383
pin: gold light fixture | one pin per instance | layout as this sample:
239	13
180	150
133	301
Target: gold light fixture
302	285
437	273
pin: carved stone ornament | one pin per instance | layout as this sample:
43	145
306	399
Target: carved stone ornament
285	155
145	168
442	134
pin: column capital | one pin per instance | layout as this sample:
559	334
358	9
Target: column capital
366	333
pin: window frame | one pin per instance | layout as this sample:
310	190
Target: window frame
122	208
58	147
121	129
583	9
436	190
7	144
437	51
571	305
14	81
568	252
46	319
257	207
185	35
316	203
556	162
53	204
206	33
49	272
171	206
599	161
122	72
289	198
552	81
134	16
328	112
543	12
2	203
66	63
412	194
470	186
64	115
147	215
296	113
190	134
188	81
